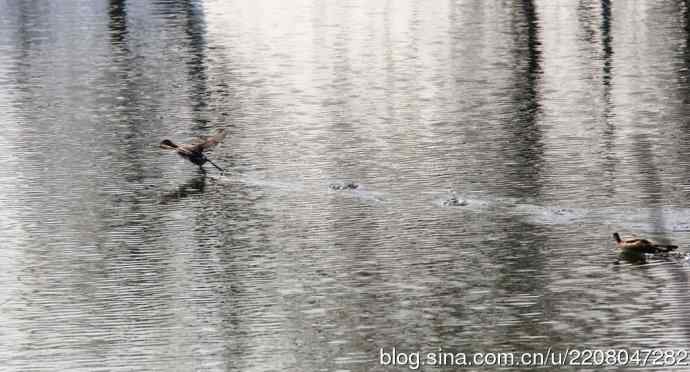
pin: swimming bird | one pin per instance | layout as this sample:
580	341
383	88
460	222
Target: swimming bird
194	152
641	245
346	186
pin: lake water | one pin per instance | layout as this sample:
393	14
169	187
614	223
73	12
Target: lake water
554	123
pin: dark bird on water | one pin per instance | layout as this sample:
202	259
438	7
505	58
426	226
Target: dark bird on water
641	245
194	151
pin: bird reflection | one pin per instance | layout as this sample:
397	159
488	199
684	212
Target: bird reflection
195	185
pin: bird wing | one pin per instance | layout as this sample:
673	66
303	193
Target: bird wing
632	242
199	140
188	149
209	142
202	143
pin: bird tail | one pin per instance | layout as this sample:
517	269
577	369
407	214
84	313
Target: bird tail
665	248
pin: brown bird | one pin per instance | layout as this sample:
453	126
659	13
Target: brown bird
641	245
194	152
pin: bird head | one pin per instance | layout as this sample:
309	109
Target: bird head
167	144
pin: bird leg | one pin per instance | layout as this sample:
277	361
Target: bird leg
214	164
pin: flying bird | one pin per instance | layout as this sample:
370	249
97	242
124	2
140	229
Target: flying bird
194	151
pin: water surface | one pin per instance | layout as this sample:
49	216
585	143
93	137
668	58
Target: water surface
557	123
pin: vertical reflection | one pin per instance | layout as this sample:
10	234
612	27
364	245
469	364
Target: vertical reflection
24	46
685	7
520	244
188	17
609	135
129	114
389	63
126	78
117	13
195	29
524	137
684	77
606	40
224	265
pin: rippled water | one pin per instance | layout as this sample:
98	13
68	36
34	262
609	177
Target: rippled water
552	123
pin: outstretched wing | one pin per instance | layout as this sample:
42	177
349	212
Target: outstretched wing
214	140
